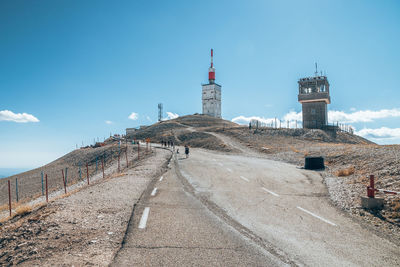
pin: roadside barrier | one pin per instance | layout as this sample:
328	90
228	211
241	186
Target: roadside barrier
370	202
371	188
42	188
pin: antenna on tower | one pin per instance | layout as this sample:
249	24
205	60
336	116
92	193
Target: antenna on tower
316	69
211	70
160	111
211	57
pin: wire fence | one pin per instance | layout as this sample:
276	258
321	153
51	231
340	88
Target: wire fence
296	124
78	167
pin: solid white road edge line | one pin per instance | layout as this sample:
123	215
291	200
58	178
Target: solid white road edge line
153	193
316	216
162	177
143	220
229	170
272	193
244	178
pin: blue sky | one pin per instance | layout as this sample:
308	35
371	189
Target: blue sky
81	68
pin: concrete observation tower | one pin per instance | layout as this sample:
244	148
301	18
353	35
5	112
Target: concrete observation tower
211	94
314	97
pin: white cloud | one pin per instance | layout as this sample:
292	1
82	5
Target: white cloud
6	115
333	116
379	133
108	122
134	116
293	116
362	115
170	116
246	120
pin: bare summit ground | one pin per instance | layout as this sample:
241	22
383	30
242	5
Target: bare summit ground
83	229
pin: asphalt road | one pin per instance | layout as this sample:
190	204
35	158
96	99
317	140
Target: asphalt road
214	209
287	208
171	227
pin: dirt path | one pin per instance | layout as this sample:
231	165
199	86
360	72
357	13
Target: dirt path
235	144
86	228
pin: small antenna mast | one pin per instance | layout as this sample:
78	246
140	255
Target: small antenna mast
316	69
160	111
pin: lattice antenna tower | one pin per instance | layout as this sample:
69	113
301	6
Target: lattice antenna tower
160	111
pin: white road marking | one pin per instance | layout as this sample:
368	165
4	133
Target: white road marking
316	216
229	170
153	193
162	177
244	178
143	220
272	193
220	164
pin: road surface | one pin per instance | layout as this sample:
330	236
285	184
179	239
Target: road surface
243	210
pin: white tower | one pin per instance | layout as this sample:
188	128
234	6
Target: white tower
211	94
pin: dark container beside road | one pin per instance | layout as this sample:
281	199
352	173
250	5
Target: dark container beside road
314	163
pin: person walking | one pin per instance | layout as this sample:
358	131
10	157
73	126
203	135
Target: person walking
186	151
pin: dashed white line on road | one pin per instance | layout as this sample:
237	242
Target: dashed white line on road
244	178
162	177
143	220
229	170
220	164
269	191
153	193
316	216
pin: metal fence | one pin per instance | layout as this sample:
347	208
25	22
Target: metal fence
62	174
296	124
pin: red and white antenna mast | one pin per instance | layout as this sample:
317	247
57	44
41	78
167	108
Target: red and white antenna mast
211	70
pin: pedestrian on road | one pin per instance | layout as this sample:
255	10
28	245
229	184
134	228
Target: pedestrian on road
187	151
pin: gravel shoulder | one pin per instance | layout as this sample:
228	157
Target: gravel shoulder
84	228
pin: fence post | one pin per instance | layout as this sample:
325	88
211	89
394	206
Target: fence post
371	187
119	156
66	175
126	156
87	173
65	186
16	188
80	172
138	148
42	183
9	196
47	190
102	166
